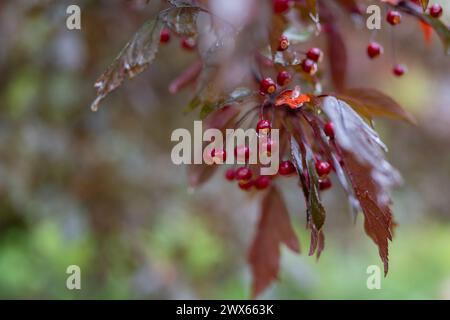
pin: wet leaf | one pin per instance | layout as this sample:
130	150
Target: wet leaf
239	95
292	98
315	211
337	55
373	103
315	207
378	220
182	20
134	58
372	177
274	228
354	135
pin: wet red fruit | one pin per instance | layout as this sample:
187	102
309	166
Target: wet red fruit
394	17
399	70
374	50
188	44
267	146
286	168
263	126
309	66
164	37
267	86
283	43
284	78
314	54
230	174
323	168
219	155
262	182
436	10
245	185
329	129
242	153
325	184
243	174
281	6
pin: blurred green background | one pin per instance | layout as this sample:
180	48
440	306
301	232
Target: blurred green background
99	190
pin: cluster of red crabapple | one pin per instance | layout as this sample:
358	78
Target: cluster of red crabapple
394	18
244	175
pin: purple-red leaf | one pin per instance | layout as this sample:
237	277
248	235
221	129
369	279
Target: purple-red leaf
274	228
372	103
371	175
378	221
337	55
137	55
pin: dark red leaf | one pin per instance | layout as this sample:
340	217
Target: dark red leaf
370	174
378	221
337	55
274	228
372	103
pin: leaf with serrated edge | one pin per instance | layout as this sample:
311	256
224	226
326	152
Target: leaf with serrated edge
371	175
134	58
274	228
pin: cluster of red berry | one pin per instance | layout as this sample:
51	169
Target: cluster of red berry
244	175
394	18
186	43
309	65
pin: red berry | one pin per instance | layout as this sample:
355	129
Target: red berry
284	78
230	174
399	70
262	182
164	37
267	146
329	129
188	44
315	54
281	6
243	174
323	168
309	66
286	168
263	126
245	185
435	10
283	43
267	86
374	50
394	17
219	155
325	184
242	153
